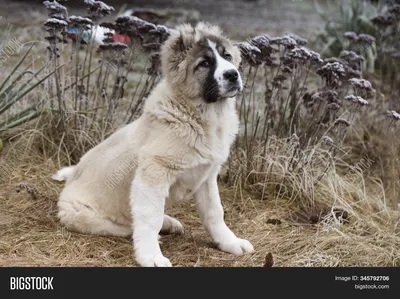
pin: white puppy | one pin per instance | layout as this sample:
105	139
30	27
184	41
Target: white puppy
171	153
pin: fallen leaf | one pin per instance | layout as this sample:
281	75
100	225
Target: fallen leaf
269	260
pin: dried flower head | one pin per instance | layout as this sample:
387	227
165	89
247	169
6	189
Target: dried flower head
366	39
115	54
362	85
362	102
56	10
284	41
329	95
250	54
352	73
356	100
383	20
132	23
315	57
55	25
332	72
143	32
334	67
393	115
81	23
304	54
318	96
98	9
162	32
350	35
351	56
263	44
298	54
299	40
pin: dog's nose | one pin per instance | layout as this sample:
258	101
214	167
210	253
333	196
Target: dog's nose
231	75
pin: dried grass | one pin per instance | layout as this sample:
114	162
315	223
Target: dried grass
30	234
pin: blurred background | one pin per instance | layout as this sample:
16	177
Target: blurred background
240	18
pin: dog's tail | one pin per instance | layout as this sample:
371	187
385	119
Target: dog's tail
64	173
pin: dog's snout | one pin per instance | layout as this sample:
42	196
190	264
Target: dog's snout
231	75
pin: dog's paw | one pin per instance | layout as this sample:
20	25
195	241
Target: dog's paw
154	261
160	261
172	226
237	246
176	227
63	174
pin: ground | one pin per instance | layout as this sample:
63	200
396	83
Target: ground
30	234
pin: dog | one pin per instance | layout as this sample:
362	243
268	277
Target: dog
171	153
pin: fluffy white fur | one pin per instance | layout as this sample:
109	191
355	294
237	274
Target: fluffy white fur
171	153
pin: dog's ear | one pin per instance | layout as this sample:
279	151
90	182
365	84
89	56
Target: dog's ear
209	29
183	38
174	51
180	44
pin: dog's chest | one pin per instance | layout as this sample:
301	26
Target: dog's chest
188	183
221	130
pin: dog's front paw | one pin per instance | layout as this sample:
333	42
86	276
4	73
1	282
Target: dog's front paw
154	261
237	246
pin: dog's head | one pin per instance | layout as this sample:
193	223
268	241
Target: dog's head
201	62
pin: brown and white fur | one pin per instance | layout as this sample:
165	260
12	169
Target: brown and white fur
172	152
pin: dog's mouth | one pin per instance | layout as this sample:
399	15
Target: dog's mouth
229	91
232	91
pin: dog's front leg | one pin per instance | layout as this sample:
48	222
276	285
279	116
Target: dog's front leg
209	206
147	205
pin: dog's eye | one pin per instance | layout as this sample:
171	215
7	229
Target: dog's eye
205	63
227	56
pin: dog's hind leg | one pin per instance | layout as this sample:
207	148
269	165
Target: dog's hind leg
171	226
82	218
64	173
